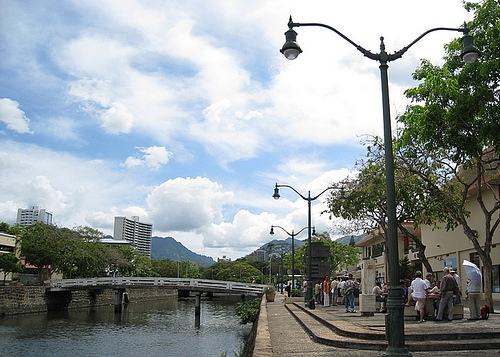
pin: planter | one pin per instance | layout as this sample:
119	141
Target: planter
292	299
270	297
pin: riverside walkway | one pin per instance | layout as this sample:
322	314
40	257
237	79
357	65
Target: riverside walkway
293	330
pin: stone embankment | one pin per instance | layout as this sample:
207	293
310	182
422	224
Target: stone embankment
29	299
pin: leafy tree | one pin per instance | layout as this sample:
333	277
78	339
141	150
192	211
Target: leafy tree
405	272
4	227
231	271
341	255
450	141
190	269
165	268
366	203
41	247
9	263
263	266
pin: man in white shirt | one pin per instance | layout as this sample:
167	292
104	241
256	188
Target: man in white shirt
419	290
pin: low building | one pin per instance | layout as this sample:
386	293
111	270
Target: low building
7	245
374	249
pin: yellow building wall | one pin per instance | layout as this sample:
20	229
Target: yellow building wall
452	247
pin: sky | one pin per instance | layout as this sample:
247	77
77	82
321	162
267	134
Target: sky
186	114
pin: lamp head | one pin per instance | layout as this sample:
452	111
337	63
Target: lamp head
276	194
314	231
291	48
272	231
342	194
469	52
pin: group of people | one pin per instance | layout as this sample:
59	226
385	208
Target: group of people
329	291
445	293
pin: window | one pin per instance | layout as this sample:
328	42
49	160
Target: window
377	250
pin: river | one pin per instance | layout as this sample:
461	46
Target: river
153	328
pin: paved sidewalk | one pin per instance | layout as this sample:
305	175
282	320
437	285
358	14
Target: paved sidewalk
284	336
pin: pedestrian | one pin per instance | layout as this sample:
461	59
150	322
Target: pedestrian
379	297
473	289
348	292
457	297
448	286
326	291
334	286
288	289
419	294
340	288
317	292
428	280
404	289
304	290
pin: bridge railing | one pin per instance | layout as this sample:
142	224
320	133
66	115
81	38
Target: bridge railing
154	281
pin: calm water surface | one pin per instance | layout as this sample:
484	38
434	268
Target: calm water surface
158	328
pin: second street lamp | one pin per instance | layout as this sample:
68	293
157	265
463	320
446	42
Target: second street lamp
395	318
309	199
293	235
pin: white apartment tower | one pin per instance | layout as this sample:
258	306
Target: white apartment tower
137	233
32	215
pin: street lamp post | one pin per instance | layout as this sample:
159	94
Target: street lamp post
395	306
178	268
293	235
309	199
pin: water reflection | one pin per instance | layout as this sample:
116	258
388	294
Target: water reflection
157	328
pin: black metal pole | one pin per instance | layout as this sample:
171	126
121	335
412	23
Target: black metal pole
309	292
293	259
395	318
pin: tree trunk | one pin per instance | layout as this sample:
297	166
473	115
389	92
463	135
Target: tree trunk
487	276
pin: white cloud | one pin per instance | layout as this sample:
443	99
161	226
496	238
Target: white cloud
68	186
117	119
91	91
186	204
246	230
153	157
14	117
206	81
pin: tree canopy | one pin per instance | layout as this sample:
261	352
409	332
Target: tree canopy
450	139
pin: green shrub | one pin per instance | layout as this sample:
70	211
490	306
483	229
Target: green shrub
269	289
296	293
248	311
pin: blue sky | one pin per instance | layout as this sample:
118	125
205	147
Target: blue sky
185	113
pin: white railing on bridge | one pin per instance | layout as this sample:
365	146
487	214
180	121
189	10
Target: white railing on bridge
152	282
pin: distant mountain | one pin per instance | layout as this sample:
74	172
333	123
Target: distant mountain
347	240
169	248
285	246
280	246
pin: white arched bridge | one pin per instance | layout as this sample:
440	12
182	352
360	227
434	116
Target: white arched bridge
60	290
195	285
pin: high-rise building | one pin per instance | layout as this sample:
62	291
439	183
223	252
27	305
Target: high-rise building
139	234
32	215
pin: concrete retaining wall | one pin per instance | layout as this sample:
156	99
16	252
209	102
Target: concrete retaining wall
29	299
262	346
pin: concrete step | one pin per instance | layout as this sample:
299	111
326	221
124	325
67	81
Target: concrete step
340	333
324	334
